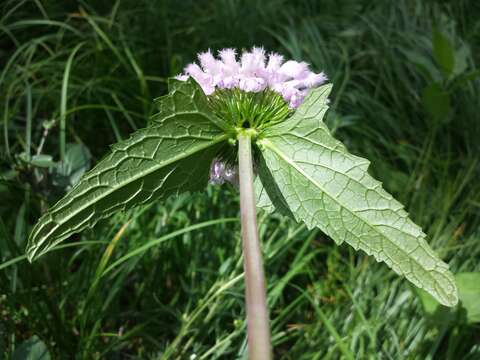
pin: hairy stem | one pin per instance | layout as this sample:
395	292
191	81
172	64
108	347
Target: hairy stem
259	346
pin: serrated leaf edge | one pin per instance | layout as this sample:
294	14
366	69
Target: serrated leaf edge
32	249
446	299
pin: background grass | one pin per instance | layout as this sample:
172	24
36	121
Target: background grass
406	95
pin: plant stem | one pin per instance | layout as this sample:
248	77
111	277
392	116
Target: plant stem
259	346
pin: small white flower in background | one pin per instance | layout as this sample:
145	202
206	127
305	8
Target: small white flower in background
255	72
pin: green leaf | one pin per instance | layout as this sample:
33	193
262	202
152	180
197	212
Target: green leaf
68	172
443	52
183	99
262	199
462	55
42	160
32	349
436	101
468	294
172	155
326	187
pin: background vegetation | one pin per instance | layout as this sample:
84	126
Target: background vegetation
166	281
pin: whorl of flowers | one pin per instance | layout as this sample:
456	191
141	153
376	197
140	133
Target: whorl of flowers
254	72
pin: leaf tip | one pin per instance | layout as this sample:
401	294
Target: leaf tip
30	252
446	291
451	299
33	250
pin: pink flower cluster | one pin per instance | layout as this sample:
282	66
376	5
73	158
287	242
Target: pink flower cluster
254	73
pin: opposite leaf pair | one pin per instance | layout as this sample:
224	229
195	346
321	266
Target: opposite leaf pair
303	172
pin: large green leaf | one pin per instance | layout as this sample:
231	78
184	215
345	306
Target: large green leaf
170	156
303	166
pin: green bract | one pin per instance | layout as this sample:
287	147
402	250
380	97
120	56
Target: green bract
303	171
249	109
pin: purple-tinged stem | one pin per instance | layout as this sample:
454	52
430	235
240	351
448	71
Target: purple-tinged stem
259	344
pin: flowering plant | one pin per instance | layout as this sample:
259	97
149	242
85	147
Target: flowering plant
222	120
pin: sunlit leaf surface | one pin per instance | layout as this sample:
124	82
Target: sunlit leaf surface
304	167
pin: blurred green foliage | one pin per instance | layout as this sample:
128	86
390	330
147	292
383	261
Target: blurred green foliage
76	76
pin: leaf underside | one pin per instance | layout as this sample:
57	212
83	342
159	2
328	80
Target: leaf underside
304	168
262	199
170	156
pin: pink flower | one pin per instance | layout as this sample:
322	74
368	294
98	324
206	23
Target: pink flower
274	62
313	80
252	84
254	73
294	69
